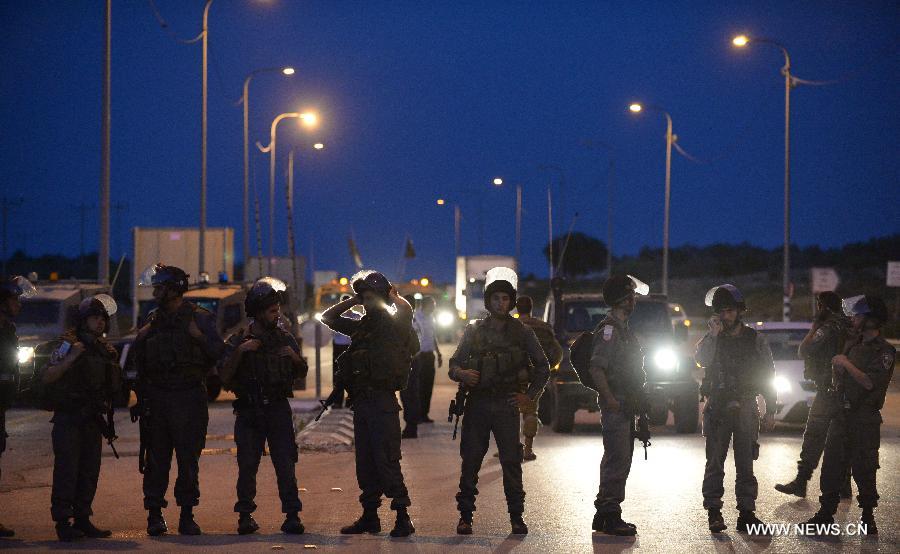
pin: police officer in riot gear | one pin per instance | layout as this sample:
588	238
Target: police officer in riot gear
501	363
825	340
81	380
12	289
174	351
553	351
260	366
739	366
617	368
861	378
373	369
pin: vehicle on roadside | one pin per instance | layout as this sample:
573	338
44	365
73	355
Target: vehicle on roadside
794	392
671	385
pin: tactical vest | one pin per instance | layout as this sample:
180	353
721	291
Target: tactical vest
172	356
500	357
736	371
865	354
818	365
86	385
263	375
8	364
625	373
380	354
546	338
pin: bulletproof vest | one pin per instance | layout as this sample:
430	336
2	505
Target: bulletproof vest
87	383
546	338
263	375
819	364
625	375
8	364
736	368
172	356
380	353
500	356
866	354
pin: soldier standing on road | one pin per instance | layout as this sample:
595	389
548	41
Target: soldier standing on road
260	366
174	351
553	351
82	379
617	368
825	340
739	366
501	363
861	379
374	368
11	290
423	323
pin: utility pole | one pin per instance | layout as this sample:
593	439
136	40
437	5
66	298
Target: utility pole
6	206
82	210
103	250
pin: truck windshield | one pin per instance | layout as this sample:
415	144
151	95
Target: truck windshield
584	315
39	313
651	318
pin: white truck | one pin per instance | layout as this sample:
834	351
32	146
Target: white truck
470	271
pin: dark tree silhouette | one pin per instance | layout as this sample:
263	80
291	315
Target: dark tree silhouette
583	255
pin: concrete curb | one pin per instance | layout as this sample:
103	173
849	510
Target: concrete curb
332	433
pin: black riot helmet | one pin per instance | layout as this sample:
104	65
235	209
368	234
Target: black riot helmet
619	287
264	293
17	286
373	281
101	304
725	296
873	307
500	279
173	278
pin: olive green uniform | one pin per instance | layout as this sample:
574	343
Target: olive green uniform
553	351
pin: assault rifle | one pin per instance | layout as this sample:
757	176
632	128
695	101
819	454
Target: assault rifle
457	407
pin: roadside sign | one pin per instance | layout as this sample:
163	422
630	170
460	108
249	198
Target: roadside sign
893	274
824	279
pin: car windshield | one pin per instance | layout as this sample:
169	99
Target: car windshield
584	315
39	313
784	342
650	318
210	304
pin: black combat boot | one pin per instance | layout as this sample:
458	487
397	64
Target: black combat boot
84	525
716	521
746	518
246	524
66	533
797	487
186	523
368	522
518	524
6	532
292	524
403	527
868	519
615	525
410	432
464	527
820	518
599	521
156	524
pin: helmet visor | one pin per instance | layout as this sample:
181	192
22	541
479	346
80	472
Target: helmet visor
108	303
501	274
733	290
24	288
856	305
640	287
147	277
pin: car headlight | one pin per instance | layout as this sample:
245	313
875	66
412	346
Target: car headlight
25	354
781	384
445	318
665	359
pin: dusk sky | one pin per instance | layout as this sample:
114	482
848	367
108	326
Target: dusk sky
427	100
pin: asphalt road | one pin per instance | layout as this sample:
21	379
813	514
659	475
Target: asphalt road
663	495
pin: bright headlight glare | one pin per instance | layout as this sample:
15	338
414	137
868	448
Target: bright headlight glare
25	354
445	318
665	359
781	383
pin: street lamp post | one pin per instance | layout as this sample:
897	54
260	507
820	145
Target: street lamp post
670	138
498	182
308	119
245	100
205	34
789	82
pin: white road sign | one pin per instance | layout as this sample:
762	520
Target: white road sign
824	279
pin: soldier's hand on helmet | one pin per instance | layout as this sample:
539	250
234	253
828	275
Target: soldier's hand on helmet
194	330
469	377
251	345
715	325
520	400
768	423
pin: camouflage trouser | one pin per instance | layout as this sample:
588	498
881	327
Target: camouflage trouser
530	422
618	448
854	443
817	422
721	427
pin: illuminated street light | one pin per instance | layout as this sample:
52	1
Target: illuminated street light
636	108
309	119
498	181
424	281
740	41
318	146
440	201
288	70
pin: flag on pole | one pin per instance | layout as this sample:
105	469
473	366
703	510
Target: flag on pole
410	252
354	252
